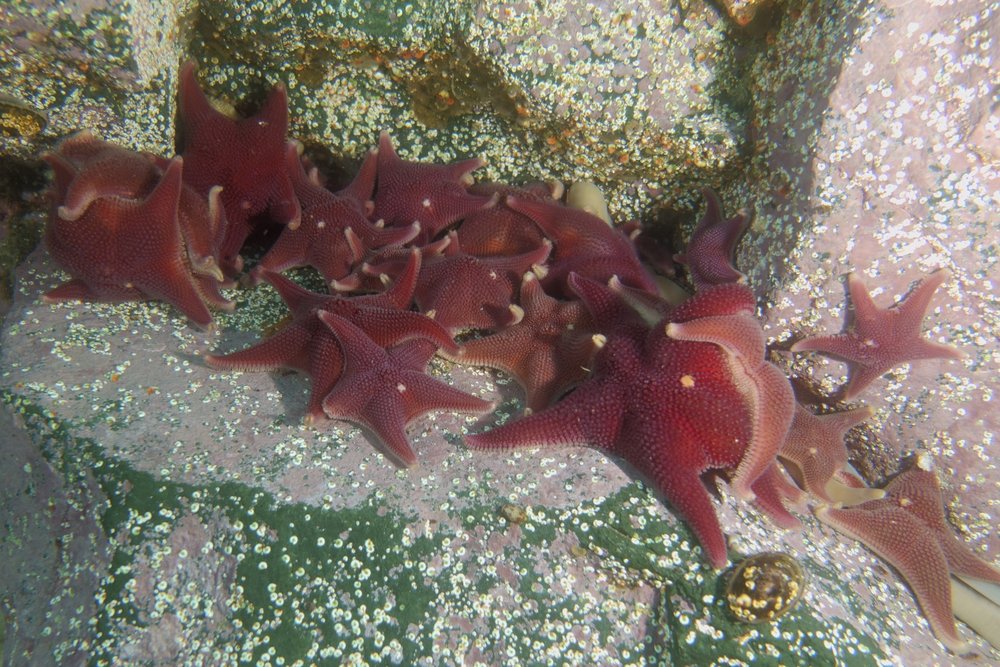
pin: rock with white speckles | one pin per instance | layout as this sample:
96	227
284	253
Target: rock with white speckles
874	157
642	99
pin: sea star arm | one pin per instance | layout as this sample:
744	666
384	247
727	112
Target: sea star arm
590	416
709	255
685	491
900	539
772	491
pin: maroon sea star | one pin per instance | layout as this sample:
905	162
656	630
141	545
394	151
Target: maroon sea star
246	156
334	233
500	230
462	291
547	349
709	254
130	244
434	195
585	245
882	338
908	529
307	345
815	446
386	390
672	408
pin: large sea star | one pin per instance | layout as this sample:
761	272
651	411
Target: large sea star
128	231
671	407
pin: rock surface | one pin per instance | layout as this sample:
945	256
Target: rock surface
178	515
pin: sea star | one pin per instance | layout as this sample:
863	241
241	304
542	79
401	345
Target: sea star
386	390
246	156
908	529
130	244
434	195
709	254
307	345
882	338
500	230
815	447
548	347
673	408
335	232
462	291
585	245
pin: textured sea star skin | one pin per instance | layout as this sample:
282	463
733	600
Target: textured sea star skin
245	156
335	233
548	349
815	445
709	254
764	386
434	195
907	528
882	338
463	291
693	416
585	245
500	230
307	345
129	245
382	390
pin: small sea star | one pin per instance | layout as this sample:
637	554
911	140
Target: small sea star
434	195
386	390
815	446
882	338
547	349
335	233
709	254
307	345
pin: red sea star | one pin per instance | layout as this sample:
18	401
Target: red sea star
130	245
384	391
709	255
246	156
307	345
672	408
815	446
334	233
882	338
500	230
463	291
908	529
547	349
585	245
434	195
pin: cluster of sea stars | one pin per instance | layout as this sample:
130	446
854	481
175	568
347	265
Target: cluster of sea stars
681	391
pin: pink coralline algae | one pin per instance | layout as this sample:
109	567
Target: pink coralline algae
683	392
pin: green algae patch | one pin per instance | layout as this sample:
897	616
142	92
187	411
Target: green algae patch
230	574
692	624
